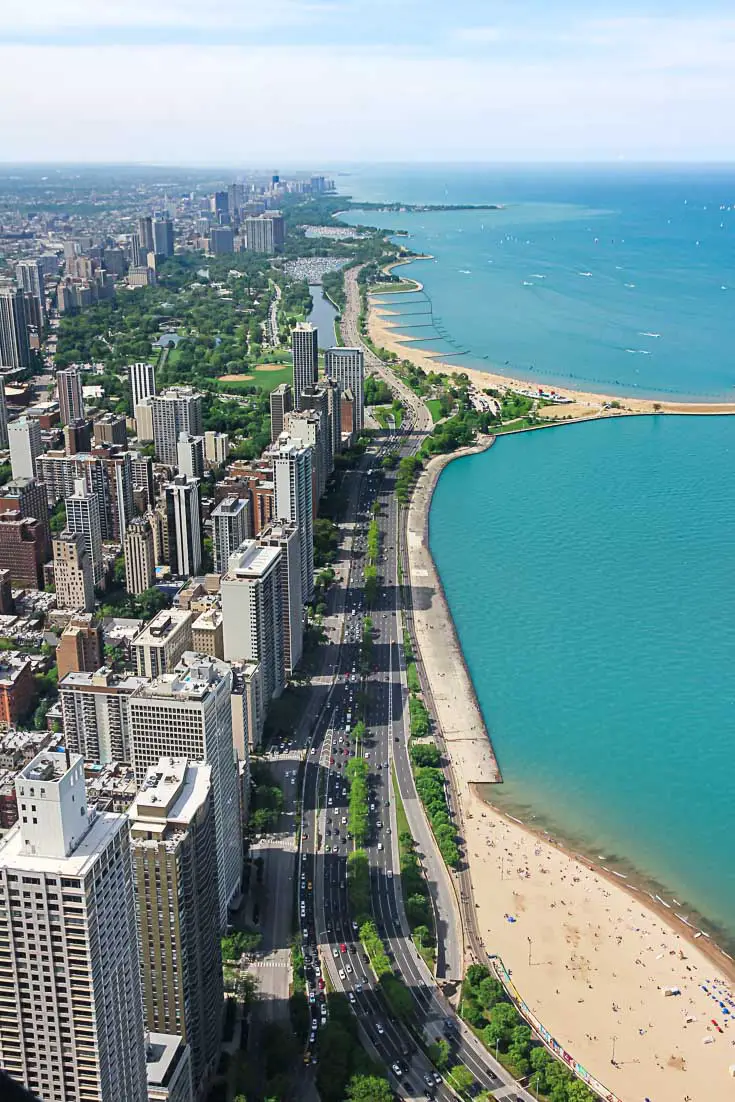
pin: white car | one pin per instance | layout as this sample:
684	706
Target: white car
342	973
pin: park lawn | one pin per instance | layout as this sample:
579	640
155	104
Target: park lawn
435	409
393	288
267	379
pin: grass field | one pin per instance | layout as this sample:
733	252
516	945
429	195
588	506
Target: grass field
393	288
265	376
434	407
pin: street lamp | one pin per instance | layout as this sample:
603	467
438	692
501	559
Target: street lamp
612	1057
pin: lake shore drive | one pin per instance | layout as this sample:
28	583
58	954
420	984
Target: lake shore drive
590	956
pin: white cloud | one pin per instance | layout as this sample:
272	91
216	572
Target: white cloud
476	36
50	16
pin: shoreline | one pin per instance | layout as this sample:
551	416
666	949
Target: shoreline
385	334
610	911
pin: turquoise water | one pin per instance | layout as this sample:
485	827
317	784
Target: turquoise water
595	278
591	574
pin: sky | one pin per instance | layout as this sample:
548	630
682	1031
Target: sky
324	82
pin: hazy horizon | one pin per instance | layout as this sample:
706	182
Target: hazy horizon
330	81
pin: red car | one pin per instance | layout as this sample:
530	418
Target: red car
331	761
343	948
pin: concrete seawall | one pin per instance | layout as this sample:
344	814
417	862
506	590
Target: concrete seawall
458	712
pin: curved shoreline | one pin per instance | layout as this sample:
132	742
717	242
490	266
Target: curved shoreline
384	334
614	905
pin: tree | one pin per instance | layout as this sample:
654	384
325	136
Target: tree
461	1078
489	992
439	1053
503	1020
368	1088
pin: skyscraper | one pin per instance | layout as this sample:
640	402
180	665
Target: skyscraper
188	713
24	439
71	1021
83	517
145	234
173	844
73	572
163	237
27	496
3	417
347	367
253	614
231	525
140	562
142	381
15	348
286	537
260	236
184	526
190	455
293	502
159	646
305	352
176	410
29	275
71	401
80	646
317	399
281	404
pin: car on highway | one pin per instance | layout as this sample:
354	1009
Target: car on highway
342	974
379	1027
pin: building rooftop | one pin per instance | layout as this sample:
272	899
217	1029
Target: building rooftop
157	630
164	1052
209	620
102	680
103	828
170	796
229	506
12	665
251	561
193	679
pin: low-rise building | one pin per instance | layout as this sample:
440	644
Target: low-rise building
208	633
80	646
17	688
162	642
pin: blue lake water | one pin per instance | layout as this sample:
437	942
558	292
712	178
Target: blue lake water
591	569
616	279
322	316
591	573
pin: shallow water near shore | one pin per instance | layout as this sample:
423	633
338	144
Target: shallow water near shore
590	573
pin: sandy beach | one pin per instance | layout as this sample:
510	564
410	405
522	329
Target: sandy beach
383	333
589	955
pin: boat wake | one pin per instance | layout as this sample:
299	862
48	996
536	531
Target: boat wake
638	351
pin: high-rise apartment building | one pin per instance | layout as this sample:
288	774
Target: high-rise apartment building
221	240
188	714
216	448
168	1068
176	410
23	550
140	560
260	235
281	404
24	440
71	1018
71	400
4	443
27	496
252	612
110	429
163	237
162	642
231	525
347	367
208	634
305	354
83	517
190	455
145	234
15	347
73	572
80	647
29	275
316	399
293	502
172	838
279	228
94	708
184	526
286	537
142	381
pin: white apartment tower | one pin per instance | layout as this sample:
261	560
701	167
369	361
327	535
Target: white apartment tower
178	409
190	455
231	525
164	639
347	367
293	502
253	613
188	714
184	526
24	439
71	1018
83	517
73	572
142	381
305	352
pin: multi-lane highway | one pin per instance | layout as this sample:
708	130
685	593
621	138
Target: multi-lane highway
328	931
